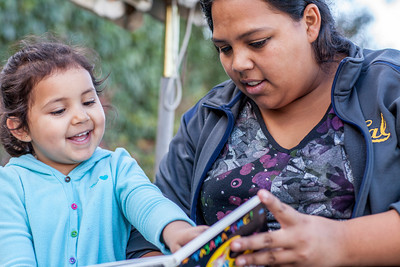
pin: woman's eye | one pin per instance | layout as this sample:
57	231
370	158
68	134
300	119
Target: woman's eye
223	49
58	112
259	44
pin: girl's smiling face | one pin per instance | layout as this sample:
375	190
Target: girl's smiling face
266	53
65	118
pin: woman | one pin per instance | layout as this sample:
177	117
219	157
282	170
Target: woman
307	116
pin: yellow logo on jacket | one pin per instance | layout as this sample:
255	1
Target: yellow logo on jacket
378	135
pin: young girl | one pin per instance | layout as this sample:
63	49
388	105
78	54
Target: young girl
63	200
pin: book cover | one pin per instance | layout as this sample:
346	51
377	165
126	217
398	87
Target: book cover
247	219
211	248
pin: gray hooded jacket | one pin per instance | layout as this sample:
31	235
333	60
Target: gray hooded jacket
365	96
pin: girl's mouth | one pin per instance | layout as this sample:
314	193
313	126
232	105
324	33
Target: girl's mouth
80	137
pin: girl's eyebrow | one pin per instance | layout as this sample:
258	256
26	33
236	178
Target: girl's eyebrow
243	35
90	90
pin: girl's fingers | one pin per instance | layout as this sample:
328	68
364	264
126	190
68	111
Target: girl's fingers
192	233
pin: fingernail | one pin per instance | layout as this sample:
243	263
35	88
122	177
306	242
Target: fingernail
240	261
236	245
263	194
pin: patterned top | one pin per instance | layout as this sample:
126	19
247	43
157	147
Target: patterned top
314	177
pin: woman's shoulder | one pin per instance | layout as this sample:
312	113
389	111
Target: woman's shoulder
389	57
222	93
225	94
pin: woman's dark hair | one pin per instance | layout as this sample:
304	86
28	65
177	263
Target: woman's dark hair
37	58
329	42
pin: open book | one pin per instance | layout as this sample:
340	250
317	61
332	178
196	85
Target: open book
210	248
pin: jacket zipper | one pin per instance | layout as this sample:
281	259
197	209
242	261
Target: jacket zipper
227	110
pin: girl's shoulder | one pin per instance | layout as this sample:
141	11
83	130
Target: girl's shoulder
119	158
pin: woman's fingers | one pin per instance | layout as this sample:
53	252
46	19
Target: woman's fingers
282	212
267	257
266	240
303	240
275	247
253	242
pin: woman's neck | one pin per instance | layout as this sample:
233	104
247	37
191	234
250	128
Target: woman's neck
290	124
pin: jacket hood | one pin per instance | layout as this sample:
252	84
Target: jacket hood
30	163
224	94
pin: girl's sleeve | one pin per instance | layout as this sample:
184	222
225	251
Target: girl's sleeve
16	247
174	177
142	202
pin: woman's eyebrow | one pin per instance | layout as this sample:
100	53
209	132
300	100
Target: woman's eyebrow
243	35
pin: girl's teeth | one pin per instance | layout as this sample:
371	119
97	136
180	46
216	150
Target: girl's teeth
78	135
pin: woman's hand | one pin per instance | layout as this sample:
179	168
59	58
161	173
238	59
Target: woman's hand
177	233
307	240
303	240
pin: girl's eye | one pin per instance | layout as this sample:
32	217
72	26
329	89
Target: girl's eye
89	103
58	112
259	44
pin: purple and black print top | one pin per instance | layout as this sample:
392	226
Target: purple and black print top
314	177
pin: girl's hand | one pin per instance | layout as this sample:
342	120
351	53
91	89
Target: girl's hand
303	240
177	233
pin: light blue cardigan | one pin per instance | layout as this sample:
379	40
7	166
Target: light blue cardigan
46	220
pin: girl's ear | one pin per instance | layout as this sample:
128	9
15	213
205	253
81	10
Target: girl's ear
312	18
21	134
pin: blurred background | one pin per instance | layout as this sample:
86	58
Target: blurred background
132	45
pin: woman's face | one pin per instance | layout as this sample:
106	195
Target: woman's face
266	53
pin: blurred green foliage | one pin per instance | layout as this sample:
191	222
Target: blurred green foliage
134	61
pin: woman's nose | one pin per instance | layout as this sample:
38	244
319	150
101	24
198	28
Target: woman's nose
241	61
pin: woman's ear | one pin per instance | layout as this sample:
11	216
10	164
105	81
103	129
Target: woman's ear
312	18
21	134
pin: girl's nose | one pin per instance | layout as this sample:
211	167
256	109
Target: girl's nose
80	116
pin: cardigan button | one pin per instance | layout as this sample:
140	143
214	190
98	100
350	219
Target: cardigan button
67	179
72	260
74	206
74	233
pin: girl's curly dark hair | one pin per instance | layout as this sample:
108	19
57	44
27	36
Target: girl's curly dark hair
36	58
